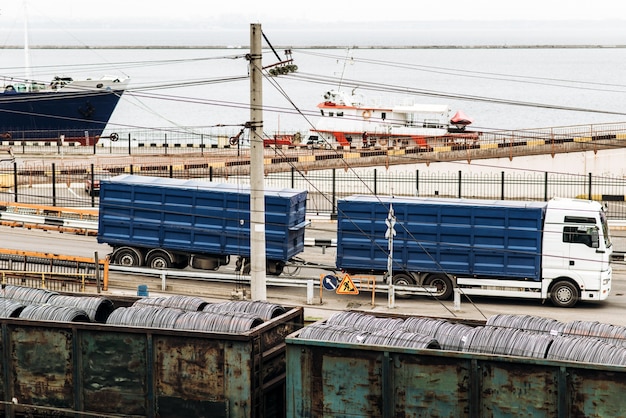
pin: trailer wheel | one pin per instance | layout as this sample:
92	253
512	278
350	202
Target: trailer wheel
443	284
159	259
128	256
564	294
274	268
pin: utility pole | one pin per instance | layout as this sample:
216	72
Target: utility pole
258	286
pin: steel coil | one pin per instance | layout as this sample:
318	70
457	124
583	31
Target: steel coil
27	294
527	323
54	313
264	310
145	316
586	349
10	308
224	322
366	322
187	303
98	308
333	333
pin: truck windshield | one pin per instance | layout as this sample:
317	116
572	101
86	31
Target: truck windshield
605	230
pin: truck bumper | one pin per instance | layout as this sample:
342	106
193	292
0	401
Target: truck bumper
603	292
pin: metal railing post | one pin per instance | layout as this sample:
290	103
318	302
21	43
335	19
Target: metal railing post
54	185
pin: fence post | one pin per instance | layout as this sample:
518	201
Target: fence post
460	183
375	182
293	180
171	171
334	192
92	177
502	185
129	148
15	180
590	179
417	182
210	173
54	185
545	186
97	271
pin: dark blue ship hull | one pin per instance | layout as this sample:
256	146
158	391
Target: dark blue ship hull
74	116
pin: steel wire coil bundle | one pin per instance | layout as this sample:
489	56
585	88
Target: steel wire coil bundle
449	335
334	333
97	308
452	336
612	334
586	349
423	325
187	303
508	341
54	313
27	294
145	316
527	323
154	301
226	322
10	308
401	338
364	321
265	310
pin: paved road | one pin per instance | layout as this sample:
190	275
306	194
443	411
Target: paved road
611	311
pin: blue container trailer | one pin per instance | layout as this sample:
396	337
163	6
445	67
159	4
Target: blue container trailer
164	223
558	249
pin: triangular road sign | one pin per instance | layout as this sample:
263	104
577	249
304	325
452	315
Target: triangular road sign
347	287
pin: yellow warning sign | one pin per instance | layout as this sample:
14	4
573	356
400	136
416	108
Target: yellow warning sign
347	287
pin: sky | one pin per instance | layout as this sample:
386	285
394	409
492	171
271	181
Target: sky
313	22
318	11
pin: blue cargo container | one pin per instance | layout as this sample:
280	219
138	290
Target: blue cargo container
162	222
454	236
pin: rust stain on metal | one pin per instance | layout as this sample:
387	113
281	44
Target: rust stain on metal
189	368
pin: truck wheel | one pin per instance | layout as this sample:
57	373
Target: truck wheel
443	284
157	259
128	256
564	294
403	279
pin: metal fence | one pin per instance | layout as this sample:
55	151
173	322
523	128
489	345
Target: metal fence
61	186
203	139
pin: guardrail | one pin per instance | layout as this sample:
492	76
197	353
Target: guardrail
79	221
60	282
309	283
52	271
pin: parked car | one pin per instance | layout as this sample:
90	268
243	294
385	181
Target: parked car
94	189
315	142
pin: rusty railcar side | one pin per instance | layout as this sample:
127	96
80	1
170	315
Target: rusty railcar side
58	368
331	379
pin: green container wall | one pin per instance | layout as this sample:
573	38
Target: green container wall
327	379
144	371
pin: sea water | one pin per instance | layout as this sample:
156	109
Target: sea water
501	88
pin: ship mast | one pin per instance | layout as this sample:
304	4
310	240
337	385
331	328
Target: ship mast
27	68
